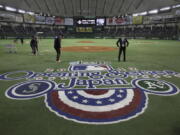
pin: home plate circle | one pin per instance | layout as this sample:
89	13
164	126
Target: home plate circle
100	106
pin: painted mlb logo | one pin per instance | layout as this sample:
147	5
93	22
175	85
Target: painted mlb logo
92	104
89	67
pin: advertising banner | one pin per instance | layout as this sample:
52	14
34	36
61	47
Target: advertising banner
49	20
137	19
119	21
19	18
29	18
177	13
146	20
68	21
40	19
10	17
59	21
162	18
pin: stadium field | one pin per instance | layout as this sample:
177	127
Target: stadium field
32	117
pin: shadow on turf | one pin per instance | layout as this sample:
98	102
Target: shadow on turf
176	130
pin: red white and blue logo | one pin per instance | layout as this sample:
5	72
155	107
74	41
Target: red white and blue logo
97	106
97	96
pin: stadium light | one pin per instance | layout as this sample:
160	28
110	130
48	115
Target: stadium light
21	11
165	8
155	11
1	6
136	14
176	6
31	13
143	13
10	8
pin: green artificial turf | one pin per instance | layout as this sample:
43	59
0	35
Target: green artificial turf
31	117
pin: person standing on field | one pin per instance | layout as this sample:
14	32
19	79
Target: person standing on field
57	46
122	44
34	45
22	40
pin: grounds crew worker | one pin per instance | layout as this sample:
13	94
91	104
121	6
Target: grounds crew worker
122	44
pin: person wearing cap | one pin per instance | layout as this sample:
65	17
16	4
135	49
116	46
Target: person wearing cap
122	44
57	46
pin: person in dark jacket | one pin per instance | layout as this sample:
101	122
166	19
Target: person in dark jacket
122	44
57	46
34	45
22	40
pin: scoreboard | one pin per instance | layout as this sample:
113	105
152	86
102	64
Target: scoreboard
87	25
89	22
100	22
85	22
